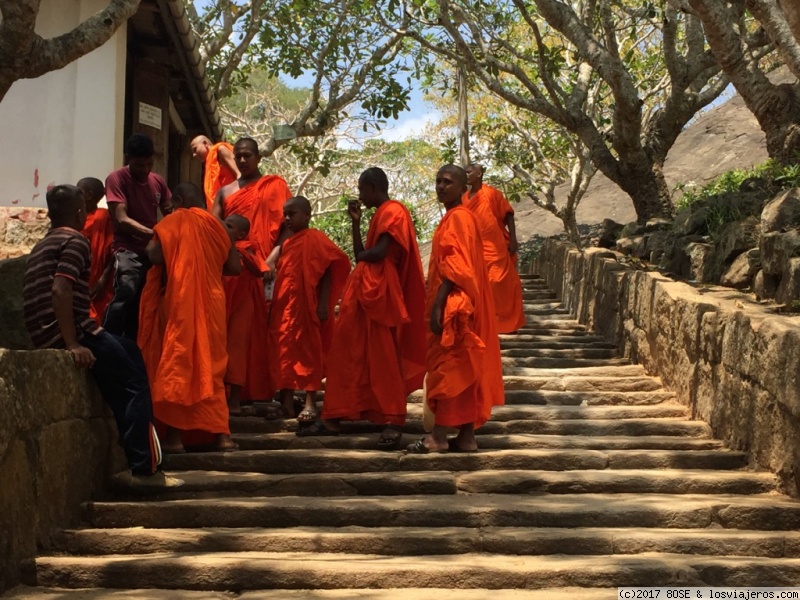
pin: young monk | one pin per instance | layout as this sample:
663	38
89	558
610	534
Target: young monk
377	355
496	220
260	200
220	166
99	230
465	376
311	273
244	298
183	336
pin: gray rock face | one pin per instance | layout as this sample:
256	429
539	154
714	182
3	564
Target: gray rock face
699	264
789	288
777	248
765	286
744	268
782	213
628	245
12	326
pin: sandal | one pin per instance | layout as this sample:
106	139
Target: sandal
316	429
419	447
390	442
307	415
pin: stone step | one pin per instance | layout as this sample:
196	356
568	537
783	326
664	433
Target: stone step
558	322
563	593
396	541
540	294
368	441
560	353
593	427
523	333
561	344
261	570
545	311
607	371
576	383
769	512
558	398
519	338
560	363
516	412
203	484
320	460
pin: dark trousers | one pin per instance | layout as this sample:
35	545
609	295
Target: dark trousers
122	315
121	376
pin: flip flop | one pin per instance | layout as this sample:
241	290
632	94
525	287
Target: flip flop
391	442
308	415
317	429
419	447
454	447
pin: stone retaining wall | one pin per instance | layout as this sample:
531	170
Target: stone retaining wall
58	445
733	362
20	229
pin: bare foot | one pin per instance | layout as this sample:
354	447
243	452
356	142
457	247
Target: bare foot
225	443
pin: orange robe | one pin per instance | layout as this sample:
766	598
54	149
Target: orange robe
491	207
465	373
100	232
244	297
182	327
377	356
216	174
261	203
297	339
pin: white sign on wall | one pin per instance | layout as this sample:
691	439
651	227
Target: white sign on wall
150	115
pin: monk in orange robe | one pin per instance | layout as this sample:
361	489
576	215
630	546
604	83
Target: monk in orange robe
182	321
465	375
247	374
220	166
99	229
496	220
310	276
259	199
377	355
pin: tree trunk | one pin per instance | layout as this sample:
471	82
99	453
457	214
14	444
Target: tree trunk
791	9
776	107
571	227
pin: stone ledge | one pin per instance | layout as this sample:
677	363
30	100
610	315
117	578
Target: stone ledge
734	363
58	444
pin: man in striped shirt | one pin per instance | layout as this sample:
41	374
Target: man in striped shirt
56	308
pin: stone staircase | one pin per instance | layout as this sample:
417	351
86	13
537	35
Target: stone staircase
591	477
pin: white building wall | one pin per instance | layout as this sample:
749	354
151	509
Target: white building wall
66	124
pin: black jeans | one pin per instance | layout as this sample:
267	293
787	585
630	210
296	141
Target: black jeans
122	315
121	376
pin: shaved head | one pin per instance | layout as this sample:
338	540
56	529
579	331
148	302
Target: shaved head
375	177
92	188
238	222
250	142
188	195
300	203
201	139
459	174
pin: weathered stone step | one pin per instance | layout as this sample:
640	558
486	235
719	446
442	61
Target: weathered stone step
559	398
396	541
545	311
770	512
672	481
560	353
368	441
594	427
516	412
562	343
538	324
560	363
538	294
566	382
261	570
293	461
521	338
608	371
29	593
544	332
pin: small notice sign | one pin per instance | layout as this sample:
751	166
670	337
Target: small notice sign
150	115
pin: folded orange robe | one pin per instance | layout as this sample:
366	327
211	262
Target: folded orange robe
377	355
100	231
247	350
182	327
491	207
262	204
465	373
216	174
298	341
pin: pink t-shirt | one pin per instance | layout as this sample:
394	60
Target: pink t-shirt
142	200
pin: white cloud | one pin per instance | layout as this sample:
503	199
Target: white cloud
408	128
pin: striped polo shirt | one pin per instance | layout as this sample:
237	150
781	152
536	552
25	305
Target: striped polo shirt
63	252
